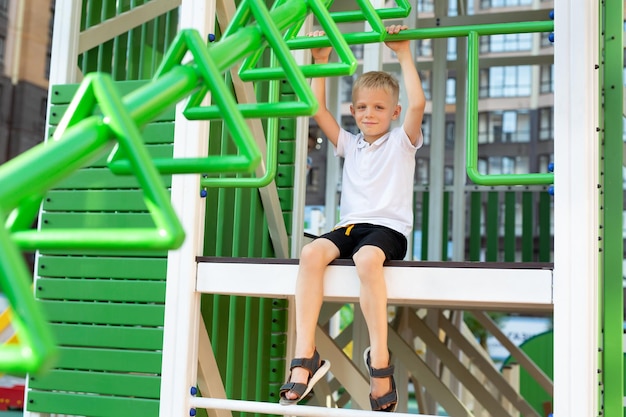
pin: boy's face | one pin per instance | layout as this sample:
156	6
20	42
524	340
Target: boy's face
373	110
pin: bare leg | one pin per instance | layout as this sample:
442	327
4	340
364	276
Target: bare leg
373	299
314	259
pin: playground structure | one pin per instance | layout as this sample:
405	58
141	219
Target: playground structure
574	295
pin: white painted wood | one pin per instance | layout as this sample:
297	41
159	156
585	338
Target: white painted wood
182	303
576	147
509	289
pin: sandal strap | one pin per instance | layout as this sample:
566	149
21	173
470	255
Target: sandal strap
382	372
296	387
310	364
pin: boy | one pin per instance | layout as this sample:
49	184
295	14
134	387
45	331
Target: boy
375	217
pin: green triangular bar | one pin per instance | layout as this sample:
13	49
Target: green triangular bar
305	106
36	349
347	62
88	136
249	155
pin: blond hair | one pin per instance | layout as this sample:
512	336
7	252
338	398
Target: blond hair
377	80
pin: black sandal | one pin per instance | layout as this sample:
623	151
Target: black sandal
317	369
390	399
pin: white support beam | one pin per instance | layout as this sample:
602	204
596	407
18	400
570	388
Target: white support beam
576	207
462	287
182	303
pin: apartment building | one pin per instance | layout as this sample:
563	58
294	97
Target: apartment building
25	46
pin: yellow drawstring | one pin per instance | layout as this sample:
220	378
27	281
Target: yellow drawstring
349	229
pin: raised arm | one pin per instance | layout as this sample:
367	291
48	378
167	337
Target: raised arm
414	114
324	118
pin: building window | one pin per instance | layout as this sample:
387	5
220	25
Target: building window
449	139
425	47
488	4
451	90
543	161
357	50
421	171
545	40
426	129
4	7
504	127
425	78
507	43
426	6
448	175
346	88
513	81
546	123
546	79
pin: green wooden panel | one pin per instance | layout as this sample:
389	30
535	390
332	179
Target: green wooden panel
63	93
285	196
287	152
492	222
545	234
91	405
94	200
509	226
104	313
287	128
99	252
160	150
445	226
112	337
58	110
100	290
129	385
285	176
109	360
120	268
527	226
152	133
55	220
475	217
102	178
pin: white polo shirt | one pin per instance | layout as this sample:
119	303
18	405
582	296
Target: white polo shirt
377	184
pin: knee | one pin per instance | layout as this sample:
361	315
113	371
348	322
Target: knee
368	261
310	255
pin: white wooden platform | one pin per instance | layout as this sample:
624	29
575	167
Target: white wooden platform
457	285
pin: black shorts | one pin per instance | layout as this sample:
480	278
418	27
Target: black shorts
349	239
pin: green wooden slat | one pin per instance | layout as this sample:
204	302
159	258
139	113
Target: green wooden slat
161	150
152	133
58	110
63	93
110	360
104	313
91	405
100	290
509	226
527	226
425	215
120	268
111	337
445	226
103	178
102	252
285	175
545	234
492	223
55	220
475	216
127	385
